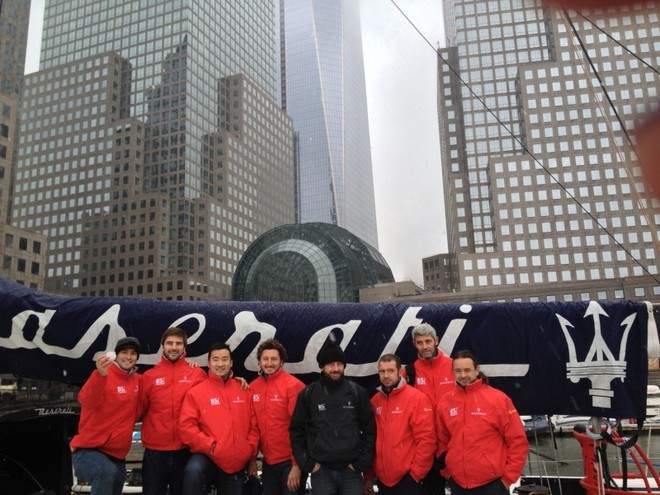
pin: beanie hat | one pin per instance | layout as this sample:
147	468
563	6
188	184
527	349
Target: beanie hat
128	343
330	353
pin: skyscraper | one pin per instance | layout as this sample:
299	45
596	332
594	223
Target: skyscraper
323	90
153	149
543	193
23	251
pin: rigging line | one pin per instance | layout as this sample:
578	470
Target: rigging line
527	150
644	62
624	162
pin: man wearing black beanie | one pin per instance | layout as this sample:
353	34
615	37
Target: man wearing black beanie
332	428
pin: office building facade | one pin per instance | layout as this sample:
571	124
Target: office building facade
323	90
544	197
22	250
153	149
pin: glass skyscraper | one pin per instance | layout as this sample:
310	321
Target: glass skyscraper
544	197
323	90
153	149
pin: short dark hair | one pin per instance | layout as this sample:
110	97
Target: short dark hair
390	358
272	345
175	332
218	346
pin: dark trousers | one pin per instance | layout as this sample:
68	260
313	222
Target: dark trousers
495	487
344	481
433	483
407	486
201	473
274	479
162	469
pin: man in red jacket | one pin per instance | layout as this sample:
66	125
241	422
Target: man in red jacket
481	438
163	389
274	395
433	372
434	376
110	407
405	435
219	425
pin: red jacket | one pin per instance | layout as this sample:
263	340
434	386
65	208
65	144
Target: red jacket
481	431
109	409
405	435
219	415
163	389
274	398
436	377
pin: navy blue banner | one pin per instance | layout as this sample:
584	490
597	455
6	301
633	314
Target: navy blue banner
582	358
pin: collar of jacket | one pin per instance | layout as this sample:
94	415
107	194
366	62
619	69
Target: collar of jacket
396	389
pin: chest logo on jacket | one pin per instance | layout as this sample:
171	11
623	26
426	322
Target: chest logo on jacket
321	407
215	401
160	381
256	398
121	389
453	411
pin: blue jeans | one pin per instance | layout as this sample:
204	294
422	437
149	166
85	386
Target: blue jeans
201	472
274	477
162	469
344	481
106	474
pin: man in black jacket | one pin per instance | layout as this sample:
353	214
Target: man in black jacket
332	428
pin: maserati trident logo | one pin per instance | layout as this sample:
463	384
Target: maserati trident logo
600	365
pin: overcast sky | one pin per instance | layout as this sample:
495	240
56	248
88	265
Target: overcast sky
405	150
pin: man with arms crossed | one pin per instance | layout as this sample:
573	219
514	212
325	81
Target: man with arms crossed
481	438
110	407
163	389
405	435
219	425
274	395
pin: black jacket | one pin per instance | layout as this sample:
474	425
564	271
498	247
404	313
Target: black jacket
333	424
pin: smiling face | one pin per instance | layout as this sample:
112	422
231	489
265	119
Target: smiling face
270	362
426	345
465	371
220	363
173	348
334	370
126	359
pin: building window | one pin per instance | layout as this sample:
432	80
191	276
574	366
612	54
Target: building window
20	266
34	268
